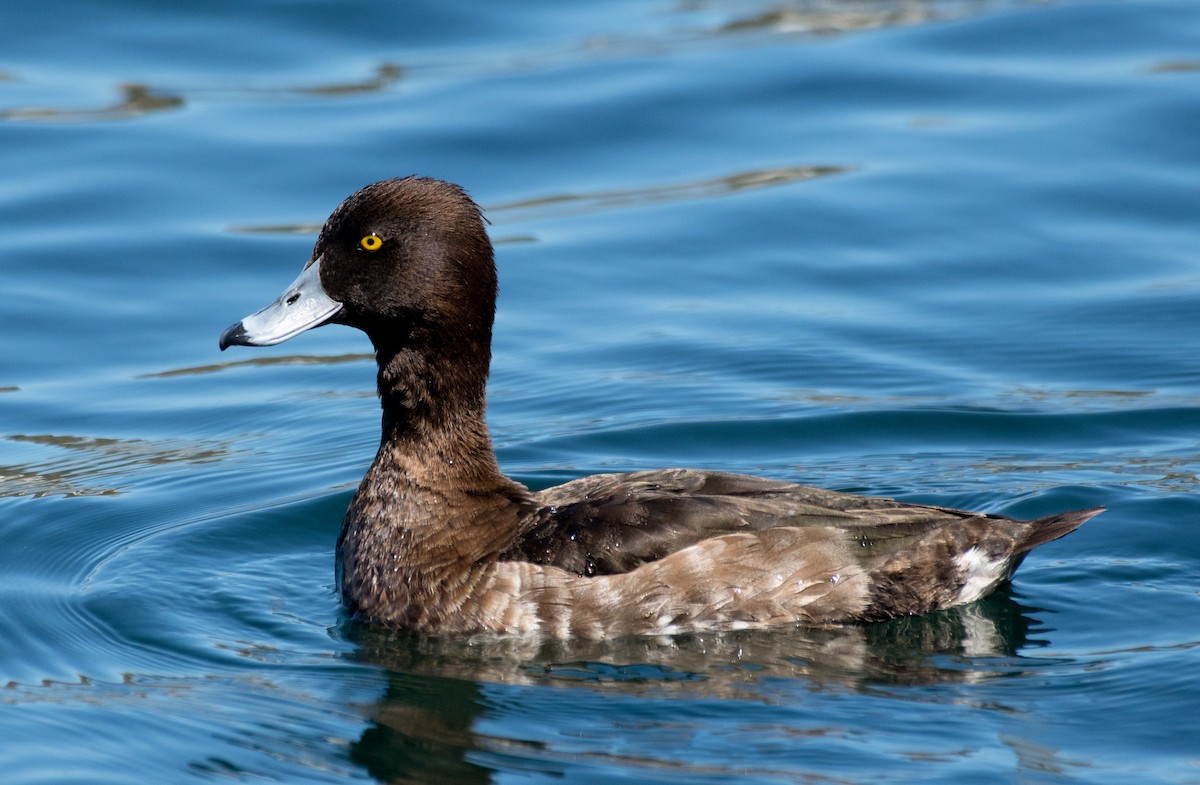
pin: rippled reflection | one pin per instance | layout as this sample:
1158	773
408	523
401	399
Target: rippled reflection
92	466
583	203
438	693
385	76
904	651
822	17
1175	67
288	359
136	100
571	204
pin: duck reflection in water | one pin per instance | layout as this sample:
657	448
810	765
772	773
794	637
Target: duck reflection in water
441	692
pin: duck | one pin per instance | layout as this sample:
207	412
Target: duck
437	540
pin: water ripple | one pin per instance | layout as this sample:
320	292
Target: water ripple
576	204
559	205
136	100
80	463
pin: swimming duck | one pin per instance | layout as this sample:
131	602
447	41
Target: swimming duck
437	540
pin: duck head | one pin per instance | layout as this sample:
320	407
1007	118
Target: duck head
402	260
407	261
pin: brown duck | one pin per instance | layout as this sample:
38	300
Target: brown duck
438	540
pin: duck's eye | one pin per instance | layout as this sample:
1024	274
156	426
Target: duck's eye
371	242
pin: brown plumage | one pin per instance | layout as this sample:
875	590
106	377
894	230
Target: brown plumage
437	539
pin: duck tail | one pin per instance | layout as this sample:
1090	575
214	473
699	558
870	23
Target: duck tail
1044	530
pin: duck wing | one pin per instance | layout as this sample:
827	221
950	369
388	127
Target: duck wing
613	523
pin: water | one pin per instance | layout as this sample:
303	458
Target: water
945	251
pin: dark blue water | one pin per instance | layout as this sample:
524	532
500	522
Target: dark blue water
946	251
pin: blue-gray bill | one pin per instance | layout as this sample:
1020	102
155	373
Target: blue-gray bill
302	306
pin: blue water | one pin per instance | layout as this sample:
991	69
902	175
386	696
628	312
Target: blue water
946	251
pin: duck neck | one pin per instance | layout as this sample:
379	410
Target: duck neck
434	428
428	386
433	510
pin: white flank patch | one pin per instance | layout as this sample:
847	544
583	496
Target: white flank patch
980	573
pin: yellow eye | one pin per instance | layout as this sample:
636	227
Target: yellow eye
372	242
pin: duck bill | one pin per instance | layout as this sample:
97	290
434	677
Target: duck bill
302	306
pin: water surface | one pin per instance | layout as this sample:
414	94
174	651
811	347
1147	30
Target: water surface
944	251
